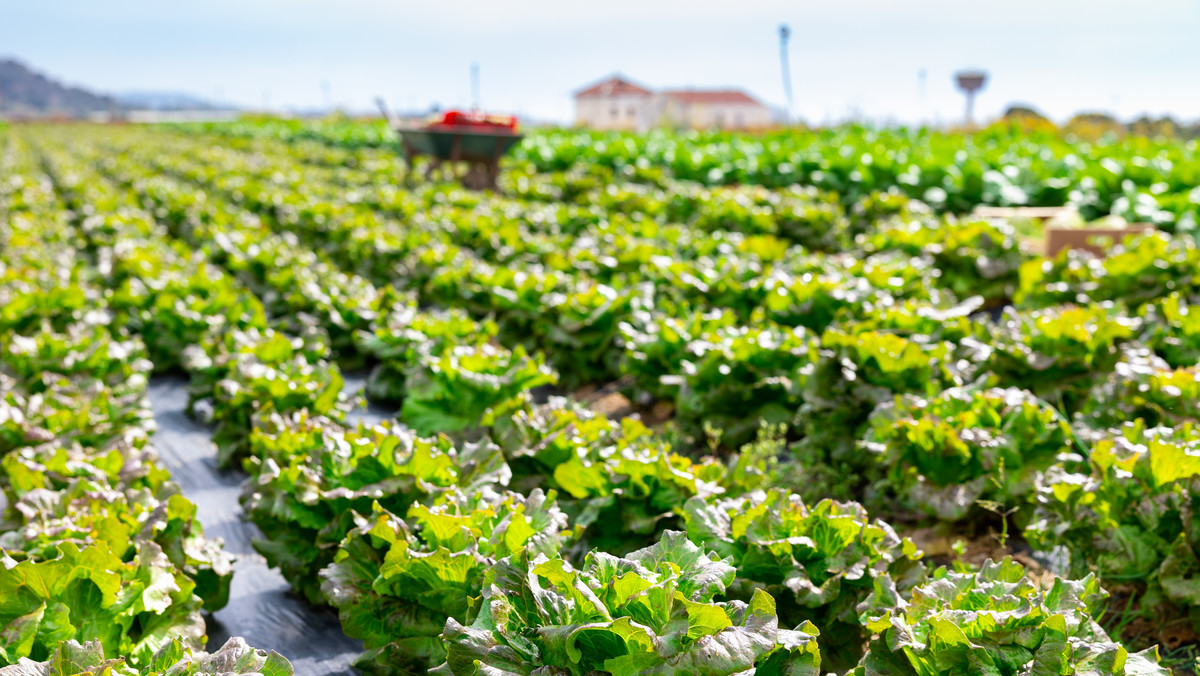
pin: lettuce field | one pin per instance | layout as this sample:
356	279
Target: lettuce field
664	404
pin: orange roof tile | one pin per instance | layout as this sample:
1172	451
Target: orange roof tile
613	86
711	96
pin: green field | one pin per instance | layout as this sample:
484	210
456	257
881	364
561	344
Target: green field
668	403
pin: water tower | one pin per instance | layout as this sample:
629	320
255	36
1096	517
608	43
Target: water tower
970	81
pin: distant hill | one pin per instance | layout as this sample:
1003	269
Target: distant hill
155	100
25	92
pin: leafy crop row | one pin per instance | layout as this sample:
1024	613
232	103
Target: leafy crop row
96	542
1139	179
1013	356
490	530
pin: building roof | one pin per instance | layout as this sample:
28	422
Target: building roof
702	96
613	86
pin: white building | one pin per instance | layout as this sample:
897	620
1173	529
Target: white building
617	103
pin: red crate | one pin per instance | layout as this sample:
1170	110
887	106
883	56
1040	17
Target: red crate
458	118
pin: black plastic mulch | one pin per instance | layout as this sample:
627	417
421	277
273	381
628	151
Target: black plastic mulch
261	609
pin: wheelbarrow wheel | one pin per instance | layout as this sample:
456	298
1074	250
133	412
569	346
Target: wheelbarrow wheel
478	177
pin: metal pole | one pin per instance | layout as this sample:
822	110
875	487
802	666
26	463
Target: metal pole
784	34
475	86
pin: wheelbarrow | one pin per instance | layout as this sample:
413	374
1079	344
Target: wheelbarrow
456	137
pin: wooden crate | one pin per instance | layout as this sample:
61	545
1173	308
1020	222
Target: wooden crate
1031	213
1095	240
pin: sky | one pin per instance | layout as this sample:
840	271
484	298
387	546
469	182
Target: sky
850	59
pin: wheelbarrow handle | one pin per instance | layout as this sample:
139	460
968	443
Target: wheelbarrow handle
387	112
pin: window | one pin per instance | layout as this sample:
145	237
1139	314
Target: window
631	111
720	119
614	111
738	121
